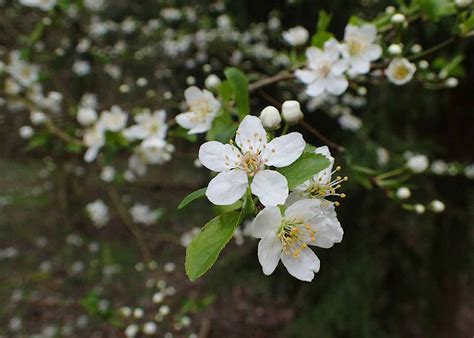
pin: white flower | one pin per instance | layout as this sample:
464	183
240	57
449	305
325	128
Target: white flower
321	185
419	208
395	49
349	121
37	117
287	237
359	48
98	213
44	5
149	328
26	132
81	68
463	3
156	150
107	174
131	330
26	74
403	193
398	18
296	36
94	139
418	163
86	116
270	117
148	126
114	120
325	72
239	167
469	171
291	112
400	71
439	167
203	108
437	206
142	213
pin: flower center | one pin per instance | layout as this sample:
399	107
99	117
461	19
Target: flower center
293	235
325	69
202	108
251	163
321	189
355	46
401	72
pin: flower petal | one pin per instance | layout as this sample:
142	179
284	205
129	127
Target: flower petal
337	85
303	210
267	221
324	176
305	76
302	267
269	252
217	156
316	88
250	135
227	187
368	32
192	94
187	120
373	52
271	187
284	150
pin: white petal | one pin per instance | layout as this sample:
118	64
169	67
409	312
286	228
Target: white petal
91	154
284	150
271	187
316	88
269	252
187	120
201	128
328	231
373	52
331	49
302	267
217	156
293	197
250	135
267	221
325	174
337	85
313	54
305	76
339	67
368	32
227	187
360	65
192	94
303	210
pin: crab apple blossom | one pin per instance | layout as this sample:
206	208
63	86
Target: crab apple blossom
291	112
400	71
288	237
94	139
246	163
359	48
203	108
148	125
270	117
86	116
98	212
114	119
325	70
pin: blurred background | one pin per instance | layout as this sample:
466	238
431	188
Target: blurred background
397	273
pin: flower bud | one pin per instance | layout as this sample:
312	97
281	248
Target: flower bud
437	206
86	116
403	193
270	117
26	132
212	81
451	82
398	18
423	64
419	209
395	49
291	112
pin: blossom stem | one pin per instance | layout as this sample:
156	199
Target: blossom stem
433	49
391	173
323	138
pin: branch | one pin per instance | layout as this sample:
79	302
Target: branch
286	75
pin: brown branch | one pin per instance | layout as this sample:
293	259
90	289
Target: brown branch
270	80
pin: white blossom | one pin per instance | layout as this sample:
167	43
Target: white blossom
437	206
148	125
237	167
403	193
86	116
418	163
44	5
400	71
98	213
94	139
142	213
359	48
291	112
203	108
107	174
114	119
270	117
26	132
287	237
325	70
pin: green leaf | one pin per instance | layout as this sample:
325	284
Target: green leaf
191	197
239	84
435	9
320	38
324	19
304	168
223	129
203	251
225	91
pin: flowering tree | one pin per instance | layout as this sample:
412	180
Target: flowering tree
120	97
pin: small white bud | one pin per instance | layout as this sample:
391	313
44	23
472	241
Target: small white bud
437	206
395	49
86	116
390	10
403	193
270	117
423	64
212	81
138	313
131	330
419	209
291	112
37	117
398	18
416	48
463	3
26	132
452	82
362	91
149	328
190	80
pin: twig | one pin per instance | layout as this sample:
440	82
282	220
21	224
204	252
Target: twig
205	328
433	49
270	80
125	217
